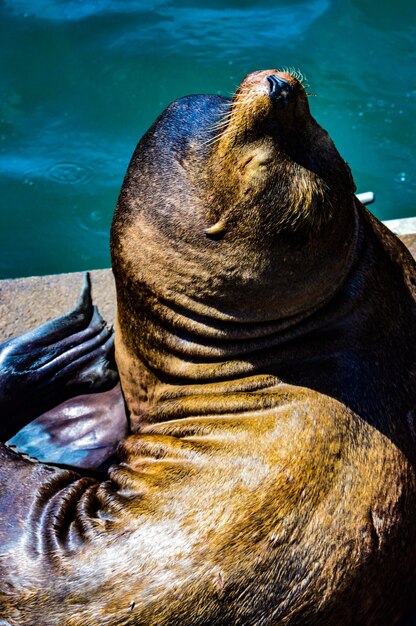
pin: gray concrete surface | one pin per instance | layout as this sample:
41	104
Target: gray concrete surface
403	226
27	302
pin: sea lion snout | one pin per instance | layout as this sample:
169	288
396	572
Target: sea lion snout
279	89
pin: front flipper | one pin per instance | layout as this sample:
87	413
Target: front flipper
68	356
82	432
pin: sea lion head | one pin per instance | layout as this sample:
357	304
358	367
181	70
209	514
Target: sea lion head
235	214
237	208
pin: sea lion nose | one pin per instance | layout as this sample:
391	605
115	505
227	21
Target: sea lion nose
279	88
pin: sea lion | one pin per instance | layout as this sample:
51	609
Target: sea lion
265	344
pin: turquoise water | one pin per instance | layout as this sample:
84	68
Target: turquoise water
82	80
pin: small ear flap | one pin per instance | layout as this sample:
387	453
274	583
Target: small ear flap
215	229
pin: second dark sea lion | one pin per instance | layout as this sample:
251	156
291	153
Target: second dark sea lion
265	344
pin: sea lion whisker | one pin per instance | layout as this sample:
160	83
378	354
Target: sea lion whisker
238	106
218	133
225	122
245	102
242	96
225	115
219	129
242	99
212	140
217	137
225	119
220	115
221	135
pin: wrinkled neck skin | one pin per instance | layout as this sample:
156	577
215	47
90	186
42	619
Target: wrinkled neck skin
194	305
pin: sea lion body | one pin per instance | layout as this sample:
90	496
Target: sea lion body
270	477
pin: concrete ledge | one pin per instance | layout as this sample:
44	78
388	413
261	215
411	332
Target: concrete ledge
404	226
28	302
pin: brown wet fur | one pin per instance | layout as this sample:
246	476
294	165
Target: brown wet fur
268	369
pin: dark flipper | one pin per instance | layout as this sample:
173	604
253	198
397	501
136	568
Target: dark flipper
81	432
43	374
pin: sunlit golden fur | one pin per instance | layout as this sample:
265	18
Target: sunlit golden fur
264	273
246	167
267	365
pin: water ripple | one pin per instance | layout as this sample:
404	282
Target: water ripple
82	158
69	173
